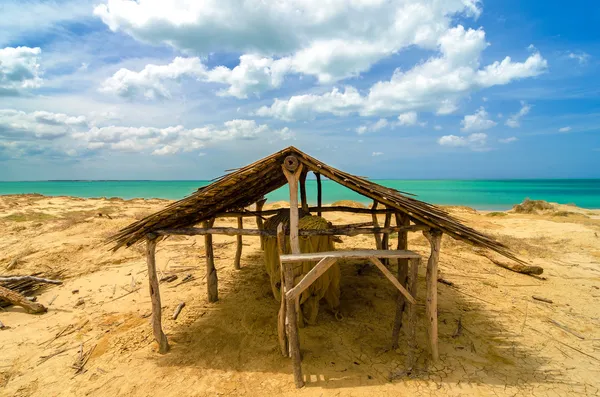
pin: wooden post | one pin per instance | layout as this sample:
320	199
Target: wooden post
259	220
411	333
159	335
435	239
292	170
376	224
303	200
238	248
211	272
385	242
401	220
281	317
319	192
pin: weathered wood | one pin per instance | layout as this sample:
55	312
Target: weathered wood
292	170
316	256
566	329
385	242
516	267
238	247
435	240
411	327
393	279
281	317
402	275
159	335
319	193
314	273
30	278
303	200
212	280
292	327
337	208
259	220
178	310
342	231
541	299
378	242
17	299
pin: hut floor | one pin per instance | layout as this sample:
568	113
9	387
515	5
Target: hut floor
506	344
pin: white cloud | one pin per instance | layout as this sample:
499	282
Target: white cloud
582	57
514	119
19	126
19	68
376	154
373	127
508	140
330	40
408	118
434	85
477	122
564	129
475	141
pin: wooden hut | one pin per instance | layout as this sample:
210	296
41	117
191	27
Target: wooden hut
229	195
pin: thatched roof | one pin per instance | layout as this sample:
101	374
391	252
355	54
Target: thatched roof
247	185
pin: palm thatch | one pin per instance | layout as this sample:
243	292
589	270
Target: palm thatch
247	185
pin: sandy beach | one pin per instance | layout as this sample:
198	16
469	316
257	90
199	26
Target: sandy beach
507	343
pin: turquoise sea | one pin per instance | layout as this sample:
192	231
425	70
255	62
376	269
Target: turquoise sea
479	194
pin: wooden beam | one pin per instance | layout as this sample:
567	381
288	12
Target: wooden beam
303	200
292	170
238	247
314	273
402	275
319	193
18	299
378	244
337	208
435	240
356	254
411	328
342	231
281	332
211	272
391	277
159	335
259	220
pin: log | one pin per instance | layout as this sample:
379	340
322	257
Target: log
178	310
516	267
211	272
340	208
539	298
393	279
292	170
435	240
281	316
378	244
402	275
17	299
292	327
30	278
159	335
259	220
319	194
238	248
411	328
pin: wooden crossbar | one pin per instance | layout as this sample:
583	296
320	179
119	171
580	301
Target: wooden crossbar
356	254
393	279
314	273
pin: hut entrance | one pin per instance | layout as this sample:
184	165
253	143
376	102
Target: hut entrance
299	253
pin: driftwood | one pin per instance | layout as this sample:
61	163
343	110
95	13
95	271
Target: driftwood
178	310
19	300
539	298
567	329
516	267
30	278
82	360
169	278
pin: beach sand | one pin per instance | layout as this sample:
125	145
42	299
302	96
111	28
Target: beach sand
507	346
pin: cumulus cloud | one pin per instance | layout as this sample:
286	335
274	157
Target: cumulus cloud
514	119
564	129
474	142
19	125
477	122
373	127
408	118
19	69
434	85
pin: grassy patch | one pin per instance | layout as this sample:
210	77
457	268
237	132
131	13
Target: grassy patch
496	214
28	217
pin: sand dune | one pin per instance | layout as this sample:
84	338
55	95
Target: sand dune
508	343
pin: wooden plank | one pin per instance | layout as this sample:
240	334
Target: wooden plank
411	328
435	239
391	277
319	193
159	335
239	242
315	256
212	281
314	273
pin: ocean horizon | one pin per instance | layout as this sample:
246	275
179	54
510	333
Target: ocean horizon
498	194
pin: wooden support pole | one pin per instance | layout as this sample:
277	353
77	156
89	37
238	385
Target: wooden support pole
281	317
435	240
385	242
292	170
376	224
211	272
391	277
18	299
411	328
259	220
238	248
319	193
402	220
159	335
303	200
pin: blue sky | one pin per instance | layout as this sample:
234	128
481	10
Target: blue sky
147	89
